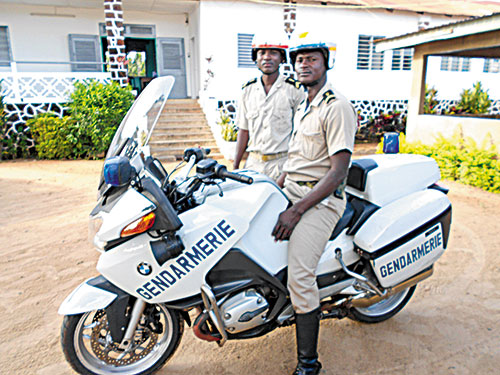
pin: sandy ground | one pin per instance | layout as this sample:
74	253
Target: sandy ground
451	326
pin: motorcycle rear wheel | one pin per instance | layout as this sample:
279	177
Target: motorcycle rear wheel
382	310
90	350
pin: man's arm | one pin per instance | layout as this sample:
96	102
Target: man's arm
241	146
289	218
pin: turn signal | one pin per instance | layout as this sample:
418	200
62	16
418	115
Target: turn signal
139	226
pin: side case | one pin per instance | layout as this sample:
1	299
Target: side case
406	236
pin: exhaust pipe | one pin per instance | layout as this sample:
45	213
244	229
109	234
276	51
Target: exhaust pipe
368	301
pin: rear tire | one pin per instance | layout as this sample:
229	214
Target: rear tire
89	349
382	310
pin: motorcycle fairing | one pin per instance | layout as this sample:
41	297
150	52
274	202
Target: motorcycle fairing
86	297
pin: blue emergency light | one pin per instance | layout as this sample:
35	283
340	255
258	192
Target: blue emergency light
118	171
391	143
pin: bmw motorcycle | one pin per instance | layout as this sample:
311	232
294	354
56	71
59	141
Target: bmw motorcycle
193	247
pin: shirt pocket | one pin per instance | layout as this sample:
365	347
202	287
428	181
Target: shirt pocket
252	119
312	144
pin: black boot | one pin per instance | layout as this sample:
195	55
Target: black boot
307	328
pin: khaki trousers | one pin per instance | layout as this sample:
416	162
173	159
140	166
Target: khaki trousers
272	168
305	247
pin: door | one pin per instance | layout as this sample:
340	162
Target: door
172	62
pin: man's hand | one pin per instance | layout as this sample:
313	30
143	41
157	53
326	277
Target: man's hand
286	223
281	180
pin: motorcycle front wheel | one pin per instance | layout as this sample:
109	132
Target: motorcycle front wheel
382	310
90	349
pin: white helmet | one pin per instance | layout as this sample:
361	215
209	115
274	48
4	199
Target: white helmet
269	42
307	42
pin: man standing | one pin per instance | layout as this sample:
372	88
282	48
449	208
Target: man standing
266	111
313	179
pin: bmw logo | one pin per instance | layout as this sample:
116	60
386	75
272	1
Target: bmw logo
144	268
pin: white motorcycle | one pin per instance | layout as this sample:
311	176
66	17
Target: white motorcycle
197	249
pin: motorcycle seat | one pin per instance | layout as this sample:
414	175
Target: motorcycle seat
344	221
357	211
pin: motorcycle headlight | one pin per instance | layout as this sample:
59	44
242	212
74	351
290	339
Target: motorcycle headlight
95	224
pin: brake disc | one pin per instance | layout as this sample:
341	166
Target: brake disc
109	351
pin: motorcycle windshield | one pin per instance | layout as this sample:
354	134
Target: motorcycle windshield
135	130
137	126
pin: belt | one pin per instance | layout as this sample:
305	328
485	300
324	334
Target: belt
339	193
309	184
268	157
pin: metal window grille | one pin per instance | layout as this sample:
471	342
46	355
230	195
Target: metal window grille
401	59
491	66
5	54
245	51
85	49
368	58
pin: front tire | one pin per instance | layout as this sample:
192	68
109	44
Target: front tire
382	310
89	348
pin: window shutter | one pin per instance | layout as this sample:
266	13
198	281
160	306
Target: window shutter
172	58
491	66
445	62
84	48
245	51
455	63
363	52
368	58
5	54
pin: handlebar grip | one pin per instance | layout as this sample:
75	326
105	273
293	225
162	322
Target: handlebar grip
222	172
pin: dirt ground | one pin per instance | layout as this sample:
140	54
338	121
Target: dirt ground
451	326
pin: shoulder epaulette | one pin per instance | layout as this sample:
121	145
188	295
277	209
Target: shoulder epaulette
251	82
293	82
328	96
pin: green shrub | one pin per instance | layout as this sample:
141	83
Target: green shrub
430	100
97	110
51	135
229	131
379	125
472	101
459	159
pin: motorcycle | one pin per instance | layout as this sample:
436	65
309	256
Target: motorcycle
193	246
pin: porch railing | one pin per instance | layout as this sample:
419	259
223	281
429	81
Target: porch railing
43	87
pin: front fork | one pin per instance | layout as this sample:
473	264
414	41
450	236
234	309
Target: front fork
137	311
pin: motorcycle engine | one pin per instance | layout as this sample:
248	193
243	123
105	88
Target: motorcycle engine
244	311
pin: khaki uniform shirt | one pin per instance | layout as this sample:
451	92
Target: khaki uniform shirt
269	118
321	129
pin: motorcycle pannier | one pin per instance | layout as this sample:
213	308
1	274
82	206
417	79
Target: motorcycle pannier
406	236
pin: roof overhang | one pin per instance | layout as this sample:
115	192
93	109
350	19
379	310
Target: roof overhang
445	32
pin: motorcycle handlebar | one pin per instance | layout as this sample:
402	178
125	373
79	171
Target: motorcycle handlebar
221	171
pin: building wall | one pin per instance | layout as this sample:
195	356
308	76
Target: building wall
42	38
222	21
449	87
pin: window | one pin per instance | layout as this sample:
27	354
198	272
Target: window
245	51
455	63
401	59
84	48
368	59
491	66
5	54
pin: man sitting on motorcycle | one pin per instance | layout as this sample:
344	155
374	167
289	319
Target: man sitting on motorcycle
313	179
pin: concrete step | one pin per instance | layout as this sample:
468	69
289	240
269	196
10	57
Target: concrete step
182	133
182	126
185	143
182	110
176	153
169	117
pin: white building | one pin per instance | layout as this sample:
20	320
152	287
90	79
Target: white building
205	45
